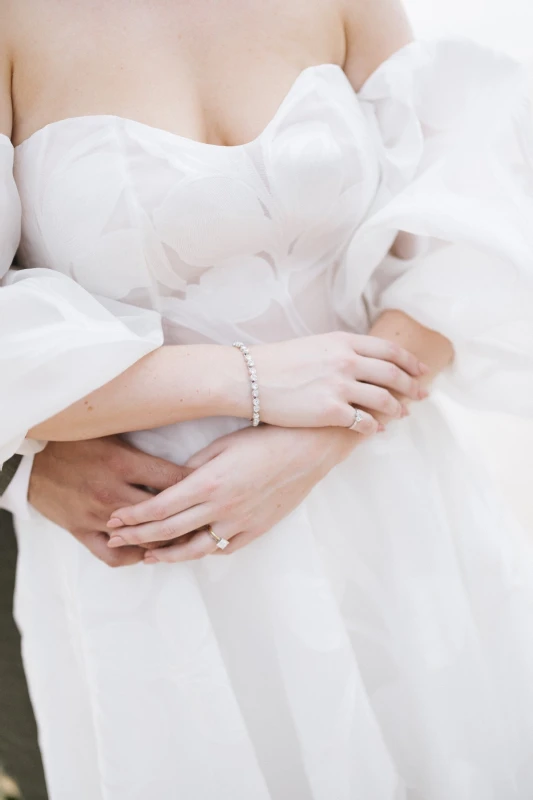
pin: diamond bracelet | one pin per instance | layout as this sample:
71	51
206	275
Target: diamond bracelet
256	418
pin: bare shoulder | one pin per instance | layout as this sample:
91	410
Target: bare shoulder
375	29
5	68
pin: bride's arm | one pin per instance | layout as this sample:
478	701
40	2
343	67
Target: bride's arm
75	368
57	343
246	482
310	382
171	384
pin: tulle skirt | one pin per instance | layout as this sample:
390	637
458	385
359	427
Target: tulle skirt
376	645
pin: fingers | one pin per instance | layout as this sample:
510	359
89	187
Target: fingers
374	347
156	472
107	499
389	375
189	492
130	465
198	546
96	543
163	530
375	398
366	425
236	543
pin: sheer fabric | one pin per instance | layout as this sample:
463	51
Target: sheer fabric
49	327
377	643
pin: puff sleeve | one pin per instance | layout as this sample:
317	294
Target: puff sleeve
453	127
57	342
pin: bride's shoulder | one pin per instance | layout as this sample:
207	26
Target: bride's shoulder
17	18
5	70
374	30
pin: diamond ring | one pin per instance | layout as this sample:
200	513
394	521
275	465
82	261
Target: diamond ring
221	543
357	417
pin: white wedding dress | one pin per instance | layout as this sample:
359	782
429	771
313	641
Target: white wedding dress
378	643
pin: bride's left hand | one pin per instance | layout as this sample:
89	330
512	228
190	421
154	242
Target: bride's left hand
243	484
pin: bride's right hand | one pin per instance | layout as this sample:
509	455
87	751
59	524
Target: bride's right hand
316	381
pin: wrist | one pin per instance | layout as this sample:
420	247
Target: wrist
342	443
231	388
335	445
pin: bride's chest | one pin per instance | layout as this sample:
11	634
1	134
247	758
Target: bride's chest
119	205
212	71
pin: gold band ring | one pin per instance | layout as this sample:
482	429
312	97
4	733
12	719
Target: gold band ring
221	543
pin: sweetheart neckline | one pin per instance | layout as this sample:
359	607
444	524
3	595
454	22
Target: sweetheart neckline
208	146
178	137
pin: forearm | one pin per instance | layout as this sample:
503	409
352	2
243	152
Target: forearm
291	461
178	383
172	384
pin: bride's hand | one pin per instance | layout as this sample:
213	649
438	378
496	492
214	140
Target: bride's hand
316	381
243	485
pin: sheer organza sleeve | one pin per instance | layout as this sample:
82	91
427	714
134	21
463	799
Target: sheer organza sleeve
57	342
454	130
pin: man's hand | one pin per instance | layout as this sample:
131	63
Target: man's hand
79	484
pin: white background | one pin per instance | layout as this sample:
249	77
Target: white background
505	24
506	444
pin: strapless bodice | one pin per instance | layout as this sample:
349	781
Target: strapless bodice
131	235
224	242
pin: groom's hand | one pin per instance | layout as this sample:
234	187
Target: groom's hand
78	485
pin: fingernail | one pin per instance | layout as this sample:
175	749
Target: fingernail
116	541
115	522
424	369
422	394
381	427
149	559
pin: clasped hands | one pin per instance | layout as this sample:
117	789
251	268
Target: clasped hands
242	484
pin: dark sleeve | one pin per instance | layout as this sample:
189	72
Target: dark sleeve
7	473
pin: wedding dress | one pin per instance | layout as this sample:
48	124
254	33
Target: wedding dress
378	643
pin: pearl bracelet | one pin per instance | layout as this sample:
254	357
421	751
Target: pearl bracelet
256	418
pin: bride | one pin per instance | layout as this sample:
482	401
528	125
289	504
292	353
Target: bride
263	240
